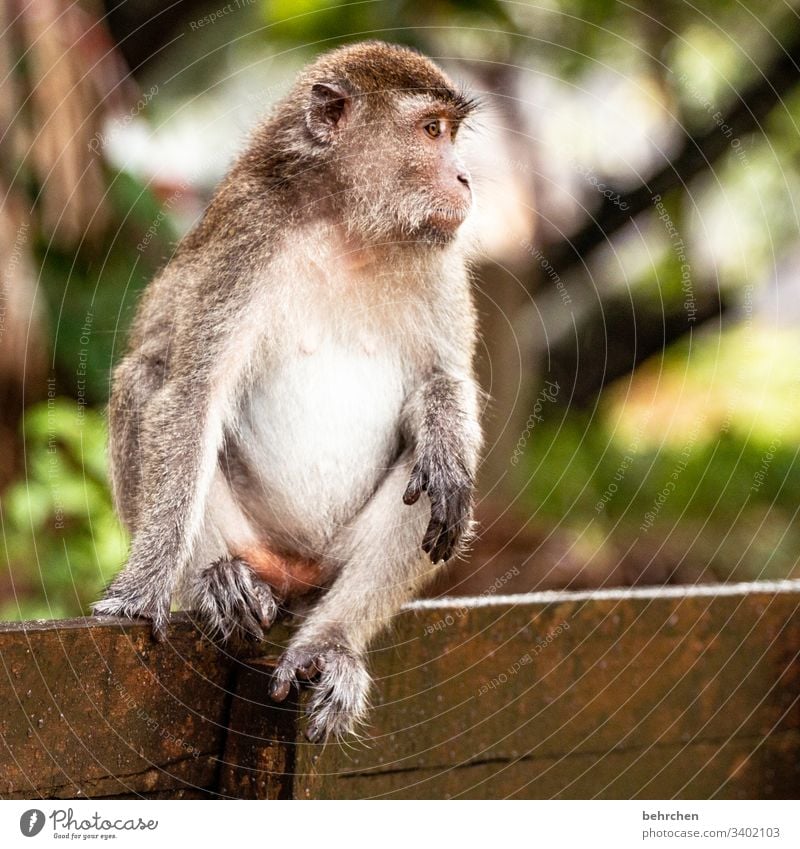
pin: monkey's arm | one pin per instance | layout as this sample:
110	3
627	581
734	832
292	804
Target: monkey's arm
180	434
441	422
179	443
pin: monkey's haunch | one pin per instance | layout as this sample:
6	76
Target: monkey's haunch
289	576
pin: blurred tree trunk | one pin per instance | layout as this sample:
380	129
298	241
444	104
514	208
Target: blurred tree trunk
23	359
52	182
504	168
507	373
697	154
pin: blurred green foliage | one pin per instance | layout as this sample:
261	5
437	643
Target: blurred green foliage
91	294
59	527
319	22
699	446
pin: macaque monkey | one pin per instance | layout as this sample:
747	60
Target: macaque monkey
295	425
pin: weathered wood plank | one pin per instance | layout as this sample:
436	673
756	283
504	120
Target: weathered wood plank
258	759
616	681
621	694
741	768
95	707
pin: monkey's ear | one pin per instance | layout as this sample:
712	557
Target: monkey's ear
327	110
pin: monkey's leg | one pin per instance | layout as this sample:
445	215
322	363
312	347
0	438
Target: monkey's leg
237	580
221	586
383	566
382	552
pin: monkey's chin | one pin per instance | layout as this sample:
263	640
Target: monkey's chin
441	225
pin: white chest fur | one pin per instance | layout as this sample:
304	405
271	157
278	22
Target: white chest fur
321	426
321	421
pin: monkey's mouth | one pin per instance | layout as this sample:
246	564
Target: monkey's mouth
448	217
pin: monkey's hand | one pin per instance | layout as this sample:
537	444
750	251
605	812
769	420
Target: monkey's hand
148	602
449	486
340	686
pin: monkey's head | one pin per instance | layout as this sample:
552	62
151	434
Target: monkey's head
377	124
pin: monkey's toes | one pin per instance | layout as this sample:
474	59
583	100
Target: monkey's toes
296	665
233	602
449	486
417	484
340	699
340	688
117	602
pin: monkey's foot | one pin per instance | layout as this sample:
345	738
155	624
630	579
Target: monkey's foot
232	602
121	600
340	688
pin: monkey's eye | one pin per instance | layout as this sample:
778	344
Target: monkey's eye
434	128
